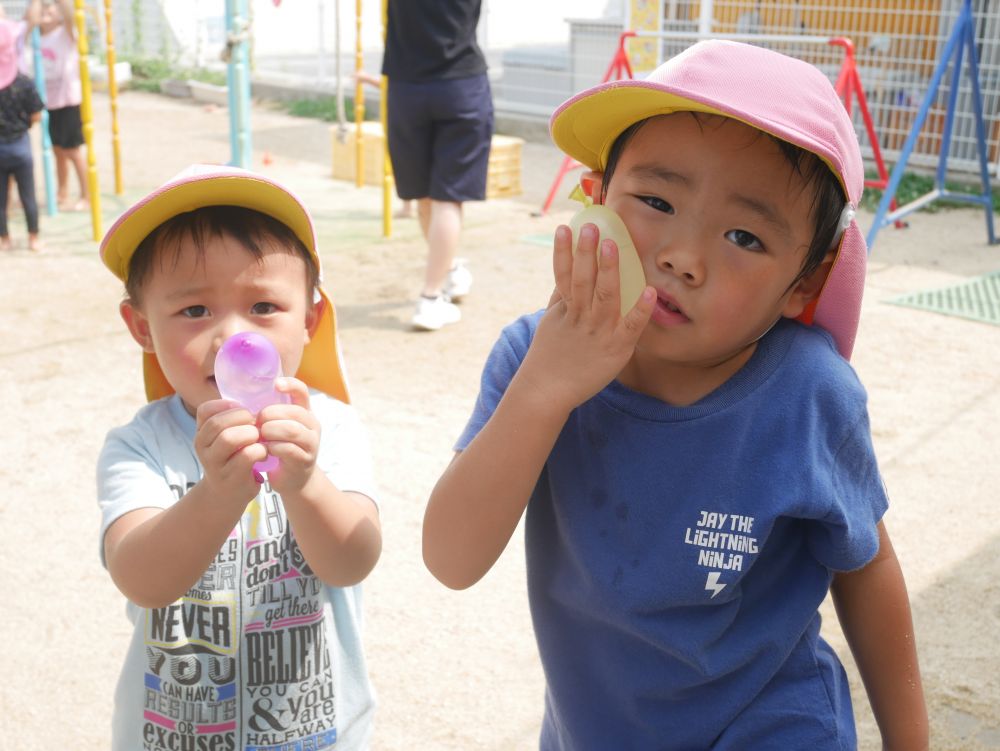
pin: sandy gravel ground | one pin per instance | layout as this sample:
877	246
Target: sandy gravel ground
454	671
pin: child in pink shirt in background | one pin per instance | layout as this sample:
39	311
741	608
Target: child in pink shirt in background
63	94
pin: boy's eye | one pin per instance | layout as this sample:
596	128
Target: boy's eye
657	203
744	239
195	311
263	308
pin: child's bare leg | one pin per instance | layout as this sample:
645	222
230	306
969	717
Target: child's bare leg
62	174
80	166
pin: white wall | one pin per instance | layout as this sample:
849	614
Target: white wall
508	23
294	26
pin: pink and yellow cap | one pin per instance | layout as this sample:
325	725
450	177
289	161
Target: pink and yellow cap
202	185
780	95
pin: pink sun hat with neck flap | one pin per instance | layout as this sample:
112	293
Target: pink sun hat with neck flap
780	95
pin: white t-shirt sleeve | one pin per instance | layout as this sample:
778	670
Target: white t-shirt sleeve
130	477
344	453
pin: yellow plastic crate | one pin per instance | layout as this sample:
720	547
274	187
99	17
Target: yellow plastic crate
503	176
345	152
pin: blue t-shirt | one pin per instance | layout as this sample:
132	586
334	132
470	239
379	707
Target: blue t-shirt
677	556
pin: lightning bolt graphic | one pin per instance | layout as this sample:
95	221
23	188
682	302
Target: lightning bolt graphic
712	583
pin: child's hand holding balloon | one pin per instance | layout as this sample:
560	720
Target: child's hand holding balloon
246	367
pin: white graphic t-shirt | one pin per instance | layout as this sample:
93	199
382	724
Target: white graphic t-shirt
260	654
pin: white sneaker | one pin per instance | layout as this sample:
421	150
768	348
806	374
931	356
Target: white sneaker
459	281
433	313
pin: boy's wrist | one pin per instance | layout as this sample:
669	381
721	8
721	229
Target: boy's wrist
541	400
224	496
313	486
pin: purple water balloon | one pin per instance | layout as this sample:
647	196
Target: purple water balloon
246	367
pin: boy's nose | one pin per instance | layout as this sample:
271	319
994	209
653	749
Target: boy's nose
682	258
227	328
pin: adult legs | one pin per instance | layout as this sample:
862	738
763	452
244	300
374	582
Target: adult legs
441	223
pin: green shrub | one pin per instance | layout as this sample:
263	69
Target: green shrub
913	186
148	73
320	108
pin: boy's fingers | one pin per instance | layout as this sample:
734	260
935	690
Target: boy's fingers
562	262
554	298
585	266
607	289
212	407
295	389
637	318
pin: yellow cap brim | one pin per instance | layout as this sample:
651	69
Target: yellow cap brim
586	127
211	186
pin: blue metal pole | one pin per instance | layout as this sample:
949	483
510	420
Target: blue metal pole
949	118
977	102
911	140
48	166
238	82
246	145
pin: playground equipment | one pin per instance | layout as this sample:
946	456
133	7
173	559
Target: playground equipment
48	168
359	99
619	68
113	96
87	118
388	182
848	86
86	115
388	179
962	39
237	57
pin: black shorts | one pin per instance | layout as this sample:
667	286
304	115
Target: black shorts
439	137
65	127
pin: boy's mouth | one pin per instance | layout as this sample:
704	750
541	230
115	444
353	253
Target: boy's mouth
667	311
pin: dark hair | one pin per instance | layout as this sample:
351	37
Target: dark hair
251	229
828	196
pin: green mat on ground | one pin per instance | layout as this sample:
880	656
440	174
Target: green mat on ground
977	299
544	241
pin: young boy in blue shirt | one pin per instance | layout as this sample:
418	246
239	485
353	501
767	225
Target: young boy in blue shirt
697	472
243	590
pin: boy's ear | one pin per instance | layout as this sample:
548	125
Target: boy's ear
592	183
808	288
137	323
313	315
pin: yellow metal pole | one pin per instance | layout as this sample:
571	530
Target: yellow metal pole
87	116
388	181
116	148
359	100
